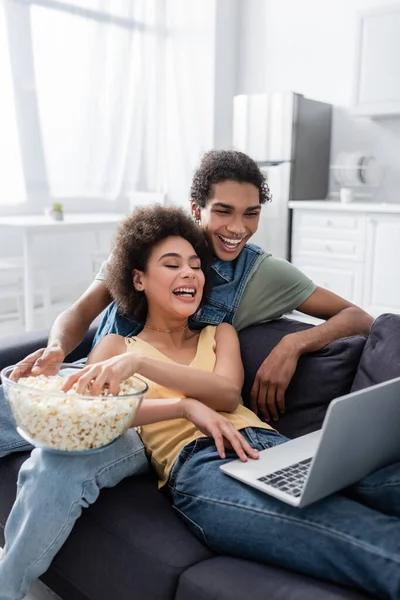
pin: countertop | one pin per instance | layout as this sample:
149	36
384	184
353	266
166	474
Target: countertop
331	205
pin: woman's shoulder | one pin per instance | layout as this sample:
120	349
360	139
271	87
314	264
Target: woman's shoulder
110	345
218	330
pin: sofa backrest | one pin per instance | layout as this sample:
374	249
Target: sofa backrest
380	360
319	378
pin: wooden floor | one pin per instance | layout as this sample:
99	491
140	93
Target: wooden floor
39	591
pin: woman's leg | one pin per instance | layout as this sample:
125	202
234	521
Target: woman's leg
337	539
10	440
52	491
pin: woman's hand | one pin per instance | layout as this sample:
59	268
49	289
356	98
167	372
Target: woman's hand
108	373
215	425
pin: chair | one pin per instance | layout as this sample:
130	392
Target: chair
12	286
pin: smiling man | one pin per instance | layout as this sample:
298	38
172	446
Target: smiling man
248	285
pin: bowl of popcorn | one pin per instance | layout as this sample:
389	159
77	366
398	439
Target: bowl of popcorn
49	418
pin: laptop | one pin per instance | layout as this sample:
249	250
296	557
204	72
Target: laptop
359	435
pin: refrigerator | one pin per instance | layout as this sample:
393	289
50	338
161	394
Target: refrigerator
289	136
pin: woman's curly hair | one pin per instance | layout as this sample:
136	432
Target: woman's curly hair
218	166
134	242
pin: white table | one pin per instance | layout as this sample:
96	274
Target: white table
30	225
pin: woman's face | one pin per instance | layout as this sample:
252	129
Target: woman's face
173	281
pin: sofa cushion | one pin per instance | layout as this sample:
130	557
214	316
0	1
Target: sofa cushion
380	360
223	578
129	544
319	378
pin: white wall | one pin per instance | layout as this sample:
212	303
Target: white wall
308	46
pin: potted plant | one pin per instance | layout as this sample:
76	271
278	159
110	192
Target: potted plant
57	211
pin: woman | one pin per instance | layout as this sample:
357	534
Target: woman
53	489
351	538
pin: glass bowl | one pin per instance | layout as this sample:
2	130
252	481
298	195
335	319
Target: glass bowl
54	420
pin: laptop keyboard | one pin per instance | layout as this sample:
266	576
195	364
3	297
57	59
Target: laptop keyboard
290	479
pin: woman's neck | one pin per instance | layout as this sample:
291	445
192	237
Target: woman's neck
166	330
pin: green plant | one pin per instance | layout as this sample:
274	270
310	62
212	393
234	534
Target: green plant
57	206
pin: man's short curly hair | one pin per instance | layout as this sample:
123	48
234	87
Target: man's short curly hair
218	166
134	242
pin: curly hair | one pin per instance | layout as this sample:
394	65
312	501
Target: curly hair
218	166
134	242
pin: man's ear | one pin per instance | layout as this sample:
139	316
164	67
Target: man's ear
137	277
195	210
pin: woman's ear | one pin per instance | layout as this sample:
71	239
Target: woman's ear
137	277
195	210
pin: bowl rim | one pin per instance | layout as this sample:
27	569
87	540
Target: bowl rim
5	379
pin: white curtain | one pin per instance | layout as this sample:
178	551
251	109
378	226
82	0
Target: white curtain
12	188
93	81
124	92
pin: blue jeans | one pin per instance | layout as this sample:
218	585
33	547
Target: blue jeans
52	490
352	538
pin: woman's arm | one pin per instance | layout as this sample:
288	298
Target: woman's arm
209	422
219	389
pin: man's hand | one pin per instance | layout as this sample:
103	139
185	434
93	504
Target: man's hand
39	362
273	378
215	425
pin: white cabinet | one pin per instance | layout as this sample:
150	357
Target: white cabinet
354	254
382	272
377	80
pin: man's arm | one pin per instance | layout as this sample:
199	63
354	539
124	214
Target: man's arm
273	377
342	319
70	327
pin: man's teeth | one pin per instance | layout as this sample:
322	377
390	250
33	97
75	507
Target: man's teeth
185	291
230	241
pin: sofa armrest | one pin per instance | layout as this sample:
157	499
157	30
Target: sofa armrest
16	348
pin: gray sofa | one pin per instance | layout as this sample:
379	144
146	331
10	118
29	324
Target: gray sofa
130	544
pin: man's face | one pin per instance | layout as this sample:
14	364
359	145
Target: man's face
230	217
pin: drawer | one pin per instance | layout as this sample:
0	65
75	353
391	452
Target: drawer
302	244
321	223
344	281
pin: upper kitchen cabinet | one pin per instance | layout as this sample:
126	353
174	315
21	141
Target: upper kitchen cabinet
377	81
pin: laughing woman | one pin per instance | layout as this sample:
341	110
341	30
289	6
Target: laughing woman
166	252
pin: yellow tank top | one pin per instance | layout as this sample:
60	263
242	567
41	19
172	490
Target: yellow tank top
164	441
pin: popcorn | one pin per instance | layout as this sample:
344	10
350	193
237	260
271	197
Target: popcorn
66	421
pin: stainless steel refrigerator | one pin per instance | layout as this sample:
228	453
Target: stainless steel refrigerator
289	136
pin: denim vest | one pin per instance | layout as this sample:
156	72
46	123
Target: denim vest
228	282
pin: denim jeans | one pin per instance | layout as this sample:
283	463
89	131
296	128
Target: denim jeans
352	538
52	490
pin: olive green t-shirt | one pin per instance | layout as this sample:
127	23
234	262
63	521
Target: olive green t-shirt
275	287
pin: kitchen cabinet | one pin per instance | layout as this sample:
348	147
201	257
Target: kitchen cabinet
377	81
351	250
382	273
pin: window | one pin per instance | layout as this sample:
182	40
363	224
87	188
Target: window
12	187
103	97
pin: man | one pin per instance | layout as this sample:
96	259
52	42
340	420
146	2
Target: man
248	285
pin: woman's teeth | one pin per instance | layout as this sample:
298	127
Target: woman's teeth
189	292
